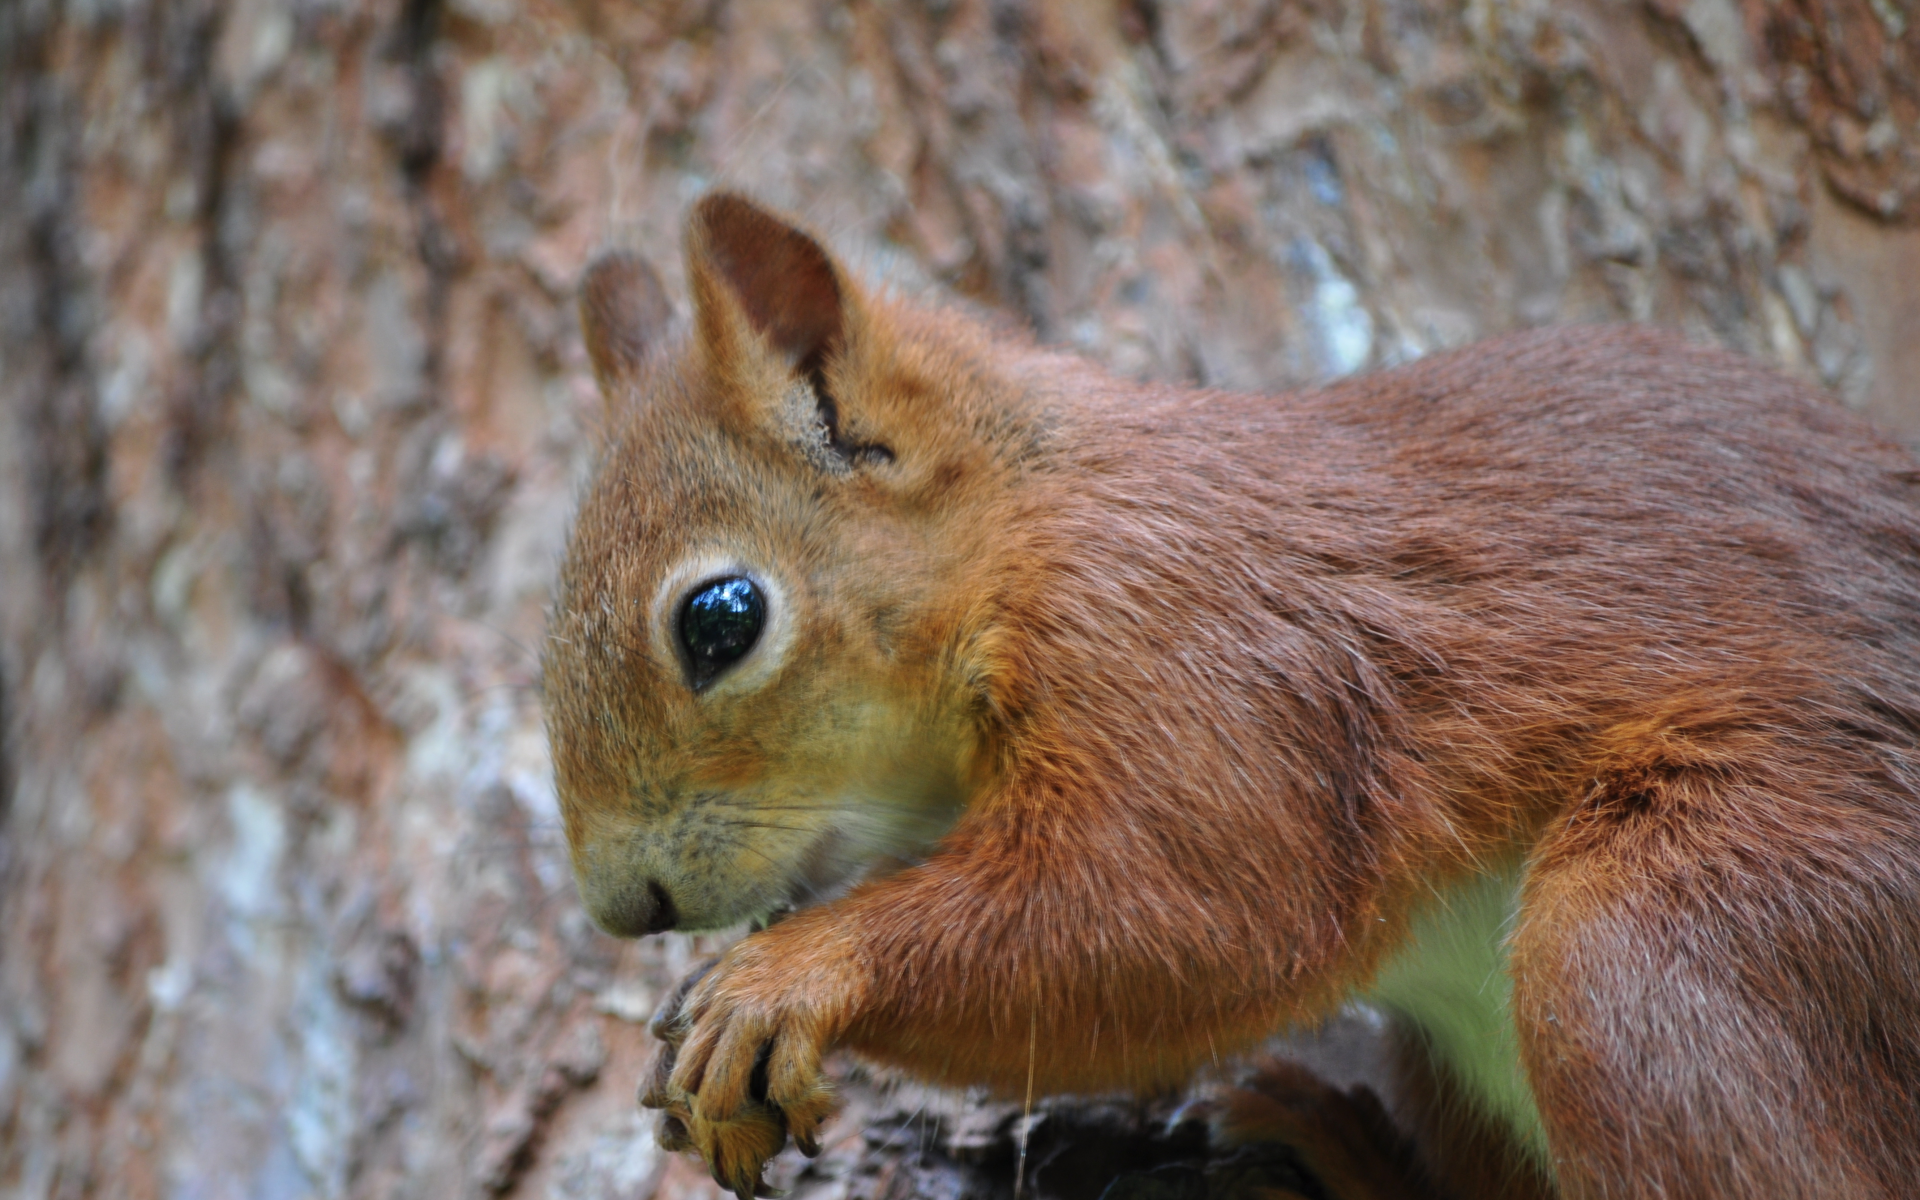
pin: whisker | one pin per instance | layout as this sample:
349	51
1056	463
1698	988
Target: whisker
476	693
735	802
500	847
504	636
733	824
761	856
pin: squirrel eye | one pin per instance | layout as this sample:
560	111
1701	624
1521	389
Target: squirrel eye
719	624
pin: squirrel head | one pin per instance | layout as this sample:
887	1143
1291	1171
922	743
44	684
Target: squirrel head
756	676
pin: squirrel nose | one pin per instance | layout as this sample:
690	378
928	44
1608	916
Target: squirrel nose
665	916
638	912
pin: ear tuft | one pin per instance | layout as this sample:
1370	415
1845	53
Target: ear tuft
623	311
784	282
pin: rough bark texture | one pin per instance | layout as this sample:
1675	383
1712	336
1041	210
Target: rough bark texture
293	408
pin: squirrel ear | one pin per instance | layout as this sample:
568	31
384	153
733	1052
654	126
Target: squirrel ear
743	259
623	311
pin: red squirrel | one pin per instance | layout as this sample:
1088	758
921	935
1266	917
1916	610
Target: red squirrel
1560	694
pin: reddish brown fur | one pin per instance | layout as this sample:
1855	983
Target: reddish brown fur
1224	685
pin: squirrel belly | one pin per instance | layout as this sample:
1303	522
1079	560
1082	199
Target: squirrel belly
1561	694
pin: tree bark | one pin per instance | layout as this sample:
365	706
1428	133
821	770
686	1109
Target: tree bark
293	409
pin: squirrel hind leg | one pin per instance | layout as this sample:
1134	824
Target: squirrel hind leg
1713	984
1344	1137
1466	1152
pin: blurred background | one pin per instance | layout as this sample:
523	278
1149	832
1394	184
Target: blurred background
293	409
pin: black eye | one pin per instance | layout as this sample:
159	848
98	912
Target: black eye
719	625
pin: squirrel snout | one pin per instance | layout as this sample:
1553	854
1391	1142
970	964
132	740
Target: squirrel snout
636	912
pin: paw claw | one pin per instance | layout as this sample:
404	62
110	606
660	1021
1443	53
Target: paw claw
654	1092
668	1023
673	1135
745	1181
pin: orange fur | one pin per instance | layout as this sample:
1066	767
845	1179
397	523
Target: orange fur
1143	718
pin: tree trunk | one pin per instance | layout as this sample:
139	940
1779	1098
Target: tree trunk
293	409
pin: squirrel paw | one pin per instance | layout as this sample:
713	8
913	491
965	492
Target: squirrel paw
738	1069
